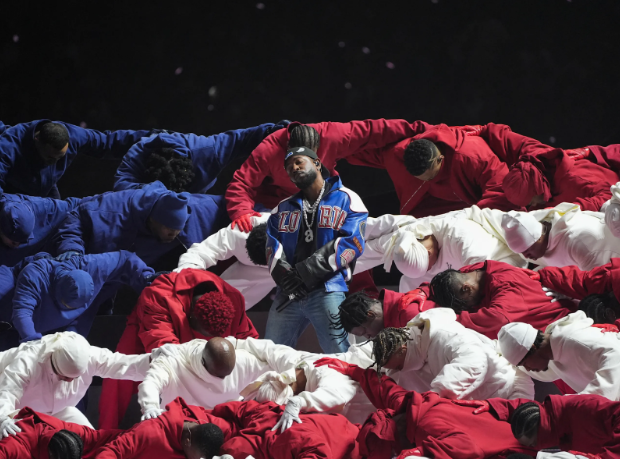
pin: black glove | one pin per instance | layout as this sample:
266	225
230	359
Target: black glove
289	280
276	127
149	278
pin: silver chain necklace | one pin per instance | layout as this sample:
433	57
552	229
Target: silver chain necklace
306	207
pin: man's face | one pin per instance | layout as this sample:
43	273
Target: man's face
373	324
162	232
58	374
8	242
535	362
538	249
434	169
397	361
190	450
49	154
537	201
530	441
432	247
302	170
469	291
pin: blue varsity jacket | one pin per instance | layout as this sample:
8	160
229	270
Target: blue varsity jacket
339	237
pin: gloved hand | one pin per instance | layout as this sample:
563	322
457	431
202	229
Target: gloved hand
612	218
534	275
482	406
578	153
168	349
607	328
152	413
414	296
277	126
244	223
289	280
149	278
336	364
69	254
555	295
9	427
291	413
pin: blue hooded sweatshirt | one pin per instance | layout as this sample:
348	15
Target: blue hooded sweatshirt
209	155
64	296
119	221
47	214
23	171
8	277
3	127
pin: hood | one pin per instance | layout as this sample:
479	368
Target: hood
142	202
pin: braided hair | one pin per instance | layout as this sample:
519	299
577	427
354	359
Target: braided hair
525	420
386	343
353	312
170	168
442	288
66	445
303	135
418	156
596	305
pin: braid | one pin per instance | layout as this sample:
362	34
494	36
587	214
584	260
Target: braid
525	420
352	312
388	341
442	288
303	135
419	156
596	305
66	444
176	172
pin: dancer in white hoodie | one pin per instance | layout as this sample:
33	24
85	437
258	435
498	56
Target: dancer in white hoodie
51	375
434	352
584	357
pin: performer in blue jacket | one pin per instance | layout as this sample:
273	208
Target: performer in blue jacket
313	240
51	295
3	127
150	222
8	277
187	162
27	224
35	155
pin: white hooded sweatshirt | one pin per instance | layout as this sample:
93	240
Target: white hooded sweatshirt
461	242
27	377
183	375
456	362
584	357
326	389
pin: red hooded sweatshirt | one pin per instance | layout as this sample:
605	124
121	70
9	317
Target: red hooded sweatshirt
509	295
578	284
584	423
160	317
319	436
37	431
262	178
160	437
471	173
436	426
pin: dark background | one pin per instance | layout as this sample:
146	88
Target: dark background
547	68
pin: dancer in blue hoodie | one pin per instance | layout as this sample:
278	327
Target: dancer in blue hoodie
187	162
27	224
150	222
51	295
35	155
